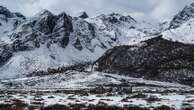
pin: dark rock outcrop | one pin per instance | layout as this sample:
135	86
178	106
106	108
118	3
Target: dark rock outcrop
84	33
5	53
64	24
156	59
17	14
115	18
83	15
45	28
6	12
46	22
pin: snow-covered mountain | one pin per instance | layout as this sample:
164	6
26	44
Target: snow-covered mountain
8	22
183	34
181	27
48	40
183	16
107	60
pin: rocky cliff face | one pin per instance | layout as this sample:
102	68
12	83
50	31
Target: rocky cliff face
8	22
8	14
5	53
156	59
45	28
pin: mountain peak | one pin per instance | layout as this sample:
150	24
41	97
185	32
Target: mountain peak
44	13
3	8
183	16
192	4
83	15
115	18
115	14
6	12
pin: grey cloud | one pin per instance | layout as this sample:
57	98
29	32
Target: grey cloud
155	9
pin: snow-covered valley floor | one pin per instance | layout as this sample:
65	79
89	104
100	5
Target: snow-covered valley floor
85	88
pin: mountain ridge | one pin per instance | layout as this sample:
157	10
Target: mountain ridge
49	40
64	39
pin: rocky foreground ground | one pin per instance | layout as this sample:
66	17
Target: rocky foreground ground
93	91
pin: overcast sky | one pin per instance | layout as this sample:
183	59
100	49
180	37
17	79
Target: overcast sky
154	9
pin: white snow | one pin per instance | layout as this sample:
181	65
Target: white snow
183	34
171	100
40	59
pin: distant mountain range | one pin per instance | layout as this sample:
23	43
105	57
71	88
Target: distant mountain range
50	41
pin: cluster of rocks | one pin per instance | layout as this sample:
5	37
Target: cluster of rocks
19	105
79	67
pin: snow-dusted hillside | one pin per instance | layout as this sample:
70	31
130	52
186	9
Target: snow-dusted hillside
95	88
184	33
181	27
183	16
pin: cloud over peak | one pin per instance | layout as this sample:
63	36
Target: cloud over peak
155	9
